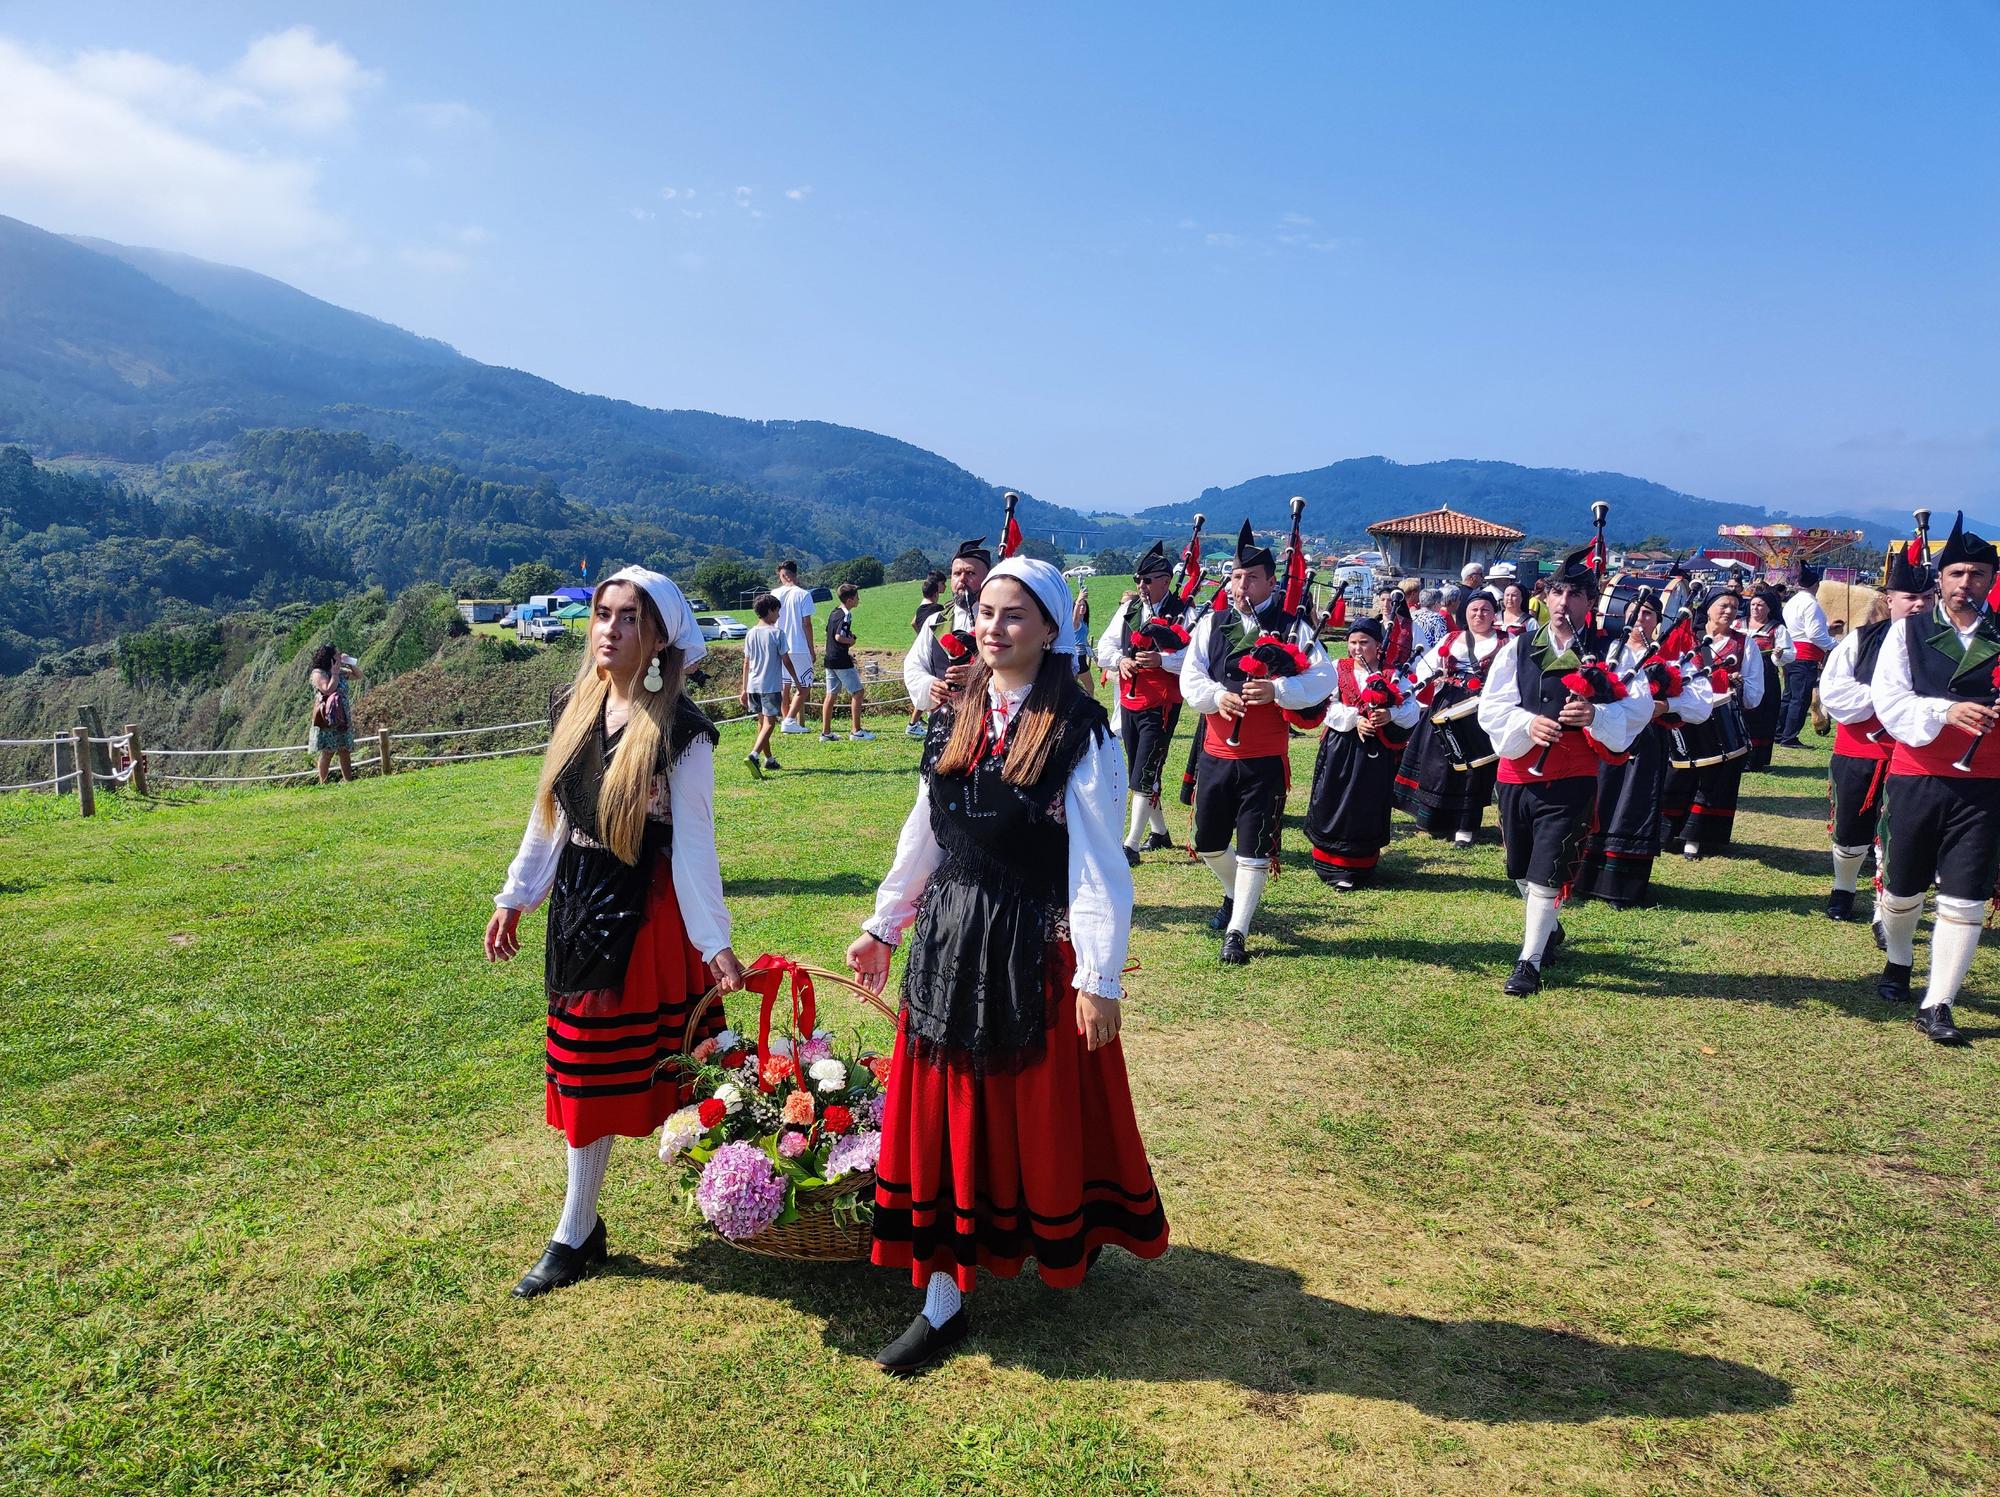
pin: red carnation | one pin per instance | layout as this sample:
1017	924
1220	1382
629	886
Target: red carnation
730	1060
878	1067
837	1119
711	1112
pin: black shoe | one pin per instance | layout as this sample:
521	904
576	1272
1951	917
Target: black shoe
1840	905
1233	953
924	1343
1220	919
1935	1025
1132	857
1881	935
770	763
1552	948
1788	743
1343	880
1691	853
562	1265
1157	842
1527	979
1893	986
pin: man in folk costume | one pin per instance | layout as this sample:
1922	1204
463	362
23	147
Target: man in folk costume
1935	684
932	671
1246	740
1857	773
1811	644
1143	646
1368	720
1624	839
1550	742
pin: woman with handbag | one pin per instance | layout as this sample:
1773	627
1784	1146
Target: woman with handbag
623	833
1008	1131
332	730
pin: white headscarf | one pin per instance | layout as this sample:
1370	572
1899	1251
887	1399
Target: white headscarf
1047	584
682	630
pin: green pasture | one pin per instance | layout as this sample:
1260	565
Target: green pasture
1702	1217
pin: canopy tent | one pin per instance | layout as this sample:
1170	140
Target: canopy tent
573	611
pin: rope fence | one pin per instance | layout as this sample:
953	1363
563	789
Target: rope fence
126	760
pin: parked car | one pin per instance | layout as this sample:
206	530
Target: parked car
507	619
543	628
719	626
1077	573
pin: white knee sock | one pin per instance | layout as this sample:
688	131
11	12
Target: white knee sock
1223	866
1847	863
1542	904
1954	938
1900	913
586	1179
941	1299
1156	817
1135	832
1250	881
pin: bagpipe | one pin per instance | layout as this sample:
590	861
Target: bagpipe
1379	693
1589	682
1454	689
1162	634
1268	659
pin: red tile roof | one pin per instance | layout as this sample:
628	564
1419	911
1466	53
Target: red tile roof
1445	521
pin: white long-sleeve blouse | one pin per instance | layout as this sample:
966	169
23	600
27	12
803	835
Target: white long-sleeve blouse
688	802
1100	881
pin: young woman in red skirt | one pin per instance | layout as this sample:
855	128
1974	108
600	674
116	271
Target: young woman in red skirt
623	833
1008	1131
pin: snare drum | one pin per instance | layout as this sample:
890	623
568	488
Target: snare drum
1457	720
1721	738
1621	591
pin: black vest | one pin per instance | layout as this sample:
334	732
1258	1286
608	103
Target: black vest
1221	624
1870	649
1542	691
1937	672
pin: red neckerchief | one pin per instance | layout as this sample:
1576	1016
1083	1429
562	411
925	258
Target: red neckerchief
988	742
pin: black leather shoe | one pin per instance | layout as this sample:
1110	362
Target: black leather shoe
1840	905
924	1343
1232	950
1131	857
1881	935
1788	743
1526	979
1552	948
562	1265
1935	1025
1893	986
1157	842
1220	919
1343	880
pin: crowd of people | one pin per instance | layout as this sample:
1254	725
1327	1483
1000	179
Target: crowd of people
1609	718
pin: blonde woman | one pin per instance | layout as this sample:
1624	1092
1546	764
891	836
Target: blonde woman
623	833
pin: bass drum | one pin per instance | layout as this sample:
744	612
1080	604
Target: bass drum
1621	591
1457	721
1723	737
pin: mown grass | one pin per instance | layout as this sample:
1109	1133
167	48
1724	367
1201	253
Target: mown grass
1702	1217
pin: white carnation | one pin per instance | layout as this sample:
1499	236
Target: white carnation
729	1096
830	1074
728	1040
678	1133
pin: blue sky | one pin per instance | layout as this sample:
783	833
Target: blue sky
1114	254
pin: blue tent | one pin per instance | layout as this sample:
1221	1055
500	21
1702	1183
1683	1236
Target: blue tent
573	594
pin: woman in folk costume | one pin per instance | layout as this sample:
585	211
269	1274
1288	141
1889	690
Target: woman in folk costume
1761	627
1736	679
1515	616
1446	799
1368	720
1625	831
621	841
1008	1131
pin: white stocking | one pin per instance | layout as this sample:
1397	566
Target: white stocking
1156	818
941	1299
1954	938
1223	866
1900	913
1847	863
1250	881
1135	832
586	1179
1542	904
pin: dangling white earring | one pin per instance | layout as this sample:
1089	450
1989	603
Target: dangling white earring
653	679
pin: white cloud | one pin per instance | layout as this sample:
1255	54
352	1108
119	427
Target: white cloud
798	194
307	83
434	259
103	144
1224	241
677	194
479	234
1298	221
643	215
743	196
448	115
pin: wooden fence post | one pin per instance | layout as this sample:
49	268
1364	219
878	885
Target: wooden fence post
86	795
138	753
382	747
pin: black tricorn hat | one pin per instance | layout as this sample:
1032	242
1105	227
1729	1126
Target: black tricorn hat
1250	554
976	549
1906	576
1575	569
1153	563
1962	546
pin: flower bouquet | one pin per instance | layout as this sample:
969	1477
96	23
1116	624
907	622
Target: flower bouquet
777	1150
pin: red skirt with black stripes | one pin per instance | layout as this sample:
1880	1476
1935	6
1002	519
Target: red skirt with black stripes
990	1169
605	1044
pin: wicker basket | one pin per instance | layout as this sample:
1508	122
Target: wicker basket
821	1234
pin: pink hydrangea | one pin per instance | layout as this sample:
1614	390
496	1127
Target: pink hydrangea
791	1144
853	1153
740	1192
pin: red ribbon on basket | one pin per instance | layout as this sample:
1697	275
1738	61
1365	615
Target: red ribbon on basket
766	975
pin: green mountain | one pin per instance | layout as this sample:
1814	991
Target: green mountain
139	356
1343	499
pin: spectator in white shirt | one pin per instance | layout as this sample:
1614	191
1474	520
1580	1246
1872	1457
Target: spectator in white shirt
1812	642
795	611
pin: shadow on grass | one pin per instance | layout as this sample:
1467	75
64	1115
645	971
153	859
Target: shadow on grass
826	883
1200	1316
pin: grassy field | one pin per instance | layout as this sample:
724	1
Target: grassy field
1703	1216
